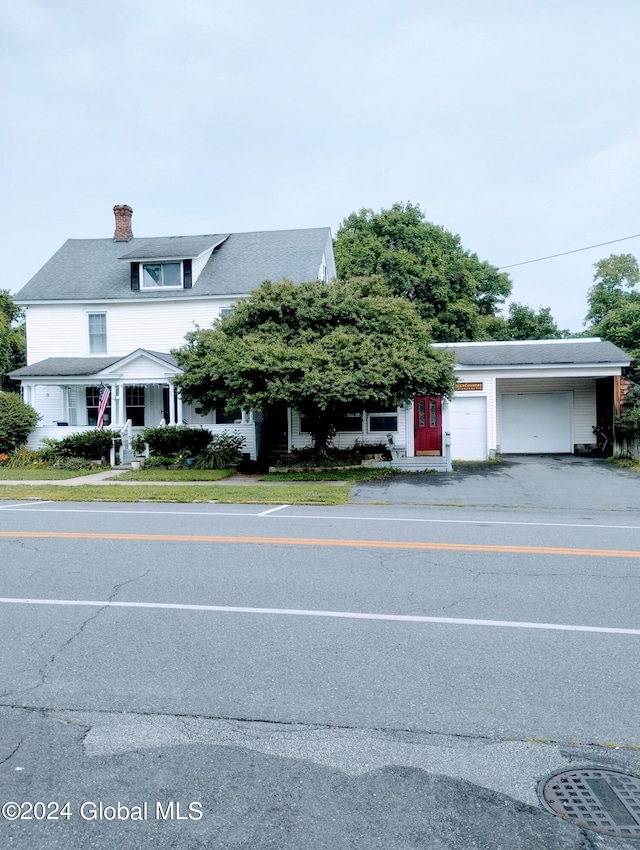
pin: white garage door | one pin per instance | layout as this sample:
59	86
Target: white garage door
468	420
536	423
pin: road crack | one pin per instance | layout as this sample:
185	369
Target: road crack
45	670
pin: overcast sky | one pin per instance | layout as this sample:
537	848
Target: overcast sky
515	124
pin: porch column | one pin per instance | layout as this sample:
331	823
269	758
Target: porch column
179	412
117	408
172	407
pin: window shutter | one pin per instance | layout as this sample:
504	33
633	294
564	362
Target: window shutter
135	276
188	277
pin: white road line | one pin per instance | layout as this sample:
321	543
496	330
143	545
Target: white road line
345	615
131	512
23	505
29	507
273	510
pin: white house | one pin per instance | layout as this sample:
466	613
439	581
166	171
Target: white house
109	311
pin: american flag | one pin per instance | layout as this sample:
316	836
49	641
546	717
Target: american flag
103	402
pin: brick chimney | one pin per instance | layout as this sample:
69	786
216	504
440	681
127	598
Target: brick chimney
123	214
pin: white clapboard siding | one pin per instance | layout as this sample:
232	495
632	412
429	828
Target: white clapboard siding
584	401
61	330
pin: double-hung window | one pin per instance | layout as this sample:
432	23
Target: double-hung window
93	402
134	401
97	333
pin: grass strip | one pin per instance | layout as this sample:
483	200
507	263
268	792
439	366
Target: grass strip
331	475
187	474
45	473
262	495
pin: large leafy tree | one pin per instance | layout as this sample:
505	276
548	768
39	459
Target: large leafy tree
614	315
523	323
12	339
326	350
454	290
614	305
614	281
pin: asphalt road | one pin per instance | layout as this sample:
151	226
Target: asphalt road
347	677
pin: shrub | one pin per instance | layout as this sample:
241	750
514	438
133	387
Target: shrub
627	422
87	445
17	421
224	451
159	462
334	457
22	457
72	463
173	440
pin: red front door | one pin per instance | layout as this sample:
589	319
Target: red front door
427	427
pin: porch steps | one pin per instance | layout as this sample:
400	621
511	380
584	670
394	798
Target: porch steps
126	456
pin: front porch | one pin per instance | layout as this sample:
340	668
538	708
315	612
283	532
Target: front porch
65	393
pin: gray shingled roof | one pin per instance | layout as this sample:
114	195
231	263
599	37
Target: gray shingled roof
573	352
60	366
171	247
54	366
99	269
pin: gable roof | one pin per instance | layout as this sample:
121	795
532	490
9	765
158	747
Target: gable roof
99	269
548	352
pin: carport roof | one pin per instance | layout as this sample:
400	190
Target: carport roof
586	351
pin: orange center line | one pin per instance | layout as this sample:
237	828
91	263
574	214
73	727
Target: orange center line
311	541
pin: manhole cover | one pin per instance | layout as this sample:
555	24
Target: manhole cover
603	800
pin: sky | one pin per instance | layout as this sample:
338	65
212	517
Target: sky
513	124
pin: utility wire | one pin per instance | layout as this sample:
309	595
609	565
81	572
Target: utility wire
564	253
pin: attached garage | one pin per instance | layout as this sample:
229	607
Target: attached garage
537	423
468	422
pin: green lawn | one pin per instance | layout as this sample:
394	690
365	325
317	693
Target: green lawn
312	494
43	473
186	474
361	474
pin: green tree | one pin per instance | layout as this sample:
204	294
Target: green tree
524	323
614	305
425	263
326	350
17	421
614	282
12	339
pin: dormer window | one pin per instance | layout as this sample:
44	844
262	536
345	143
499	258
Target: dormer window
170	274
161	274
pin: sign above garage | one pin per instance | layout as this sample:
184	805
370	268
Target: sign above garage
469	386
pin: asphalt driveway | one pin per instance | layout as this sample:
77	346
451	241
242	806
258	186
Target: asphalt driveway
566	482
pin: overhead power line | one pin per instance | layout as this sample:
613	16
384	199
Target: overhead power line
564	253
